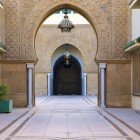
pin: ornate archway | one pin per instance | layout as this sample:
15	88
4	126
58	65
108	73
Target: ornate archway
58	71
23	18
35	14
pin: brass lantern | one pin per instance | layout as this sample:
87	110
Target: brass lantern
66	25
67	57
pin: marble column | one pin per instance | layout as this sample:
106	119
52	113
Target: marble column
49	84
102	69
85	84
30	67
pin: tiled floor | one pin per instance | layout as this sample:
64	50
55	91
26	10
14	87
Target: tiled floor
69	118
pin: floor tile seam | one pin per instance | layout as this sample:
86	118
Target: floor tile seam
13	122
80	109
90	100
56	112
107	122
48	123
44	100
111	136
124	123
48	137
53	109
121	125
36	108
57	100
83	138
15	125
115	125
17	129
26	125
68	125
87	125
101	118
42	137
37	138
87	102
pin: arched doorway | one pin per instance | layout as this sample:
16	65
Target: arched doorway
67	80
84	59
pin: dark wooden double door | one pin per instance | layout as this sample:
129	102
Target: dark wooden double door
67	81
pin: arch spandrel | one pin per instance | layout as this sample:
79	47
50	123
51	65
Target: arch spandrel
74	51
78	45
98	12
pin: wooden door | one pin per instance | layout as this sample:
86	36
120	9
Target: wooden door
67	81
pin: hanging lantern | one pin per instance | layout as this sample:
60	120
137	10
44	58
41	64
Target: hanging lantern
66	25
67	57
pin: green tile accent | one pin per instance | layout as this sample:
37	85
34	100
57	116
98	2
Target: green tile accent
137	40
1	2
2	46
136	94
130	1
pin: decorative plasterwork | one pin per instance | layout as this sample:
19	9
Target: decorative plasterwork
23	17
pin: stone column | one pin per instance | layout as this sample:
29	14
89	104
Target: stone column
49	84
30	67
85	84
102	69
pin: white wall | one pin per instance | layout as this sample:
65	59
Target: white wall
135	23
136	102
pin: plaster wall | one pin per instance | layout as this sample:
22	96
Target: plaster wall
49	47
22	19
41	87
92	83
15	76
118	85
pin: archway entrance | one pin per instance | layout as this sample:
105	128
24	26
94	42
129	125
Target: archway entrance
67	80
52	77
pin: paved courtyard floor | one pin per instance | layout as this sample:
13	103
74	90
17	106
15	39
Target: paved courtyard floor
69	118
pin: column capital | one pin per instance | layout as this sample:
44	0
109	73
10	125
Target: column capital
30	65
85	74
49	74
102	65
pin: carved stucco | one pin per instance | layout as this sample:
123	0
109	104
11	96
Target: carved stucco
23	17
87	47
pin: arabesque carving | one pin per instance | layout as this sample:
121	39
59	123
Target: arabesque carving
23	17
